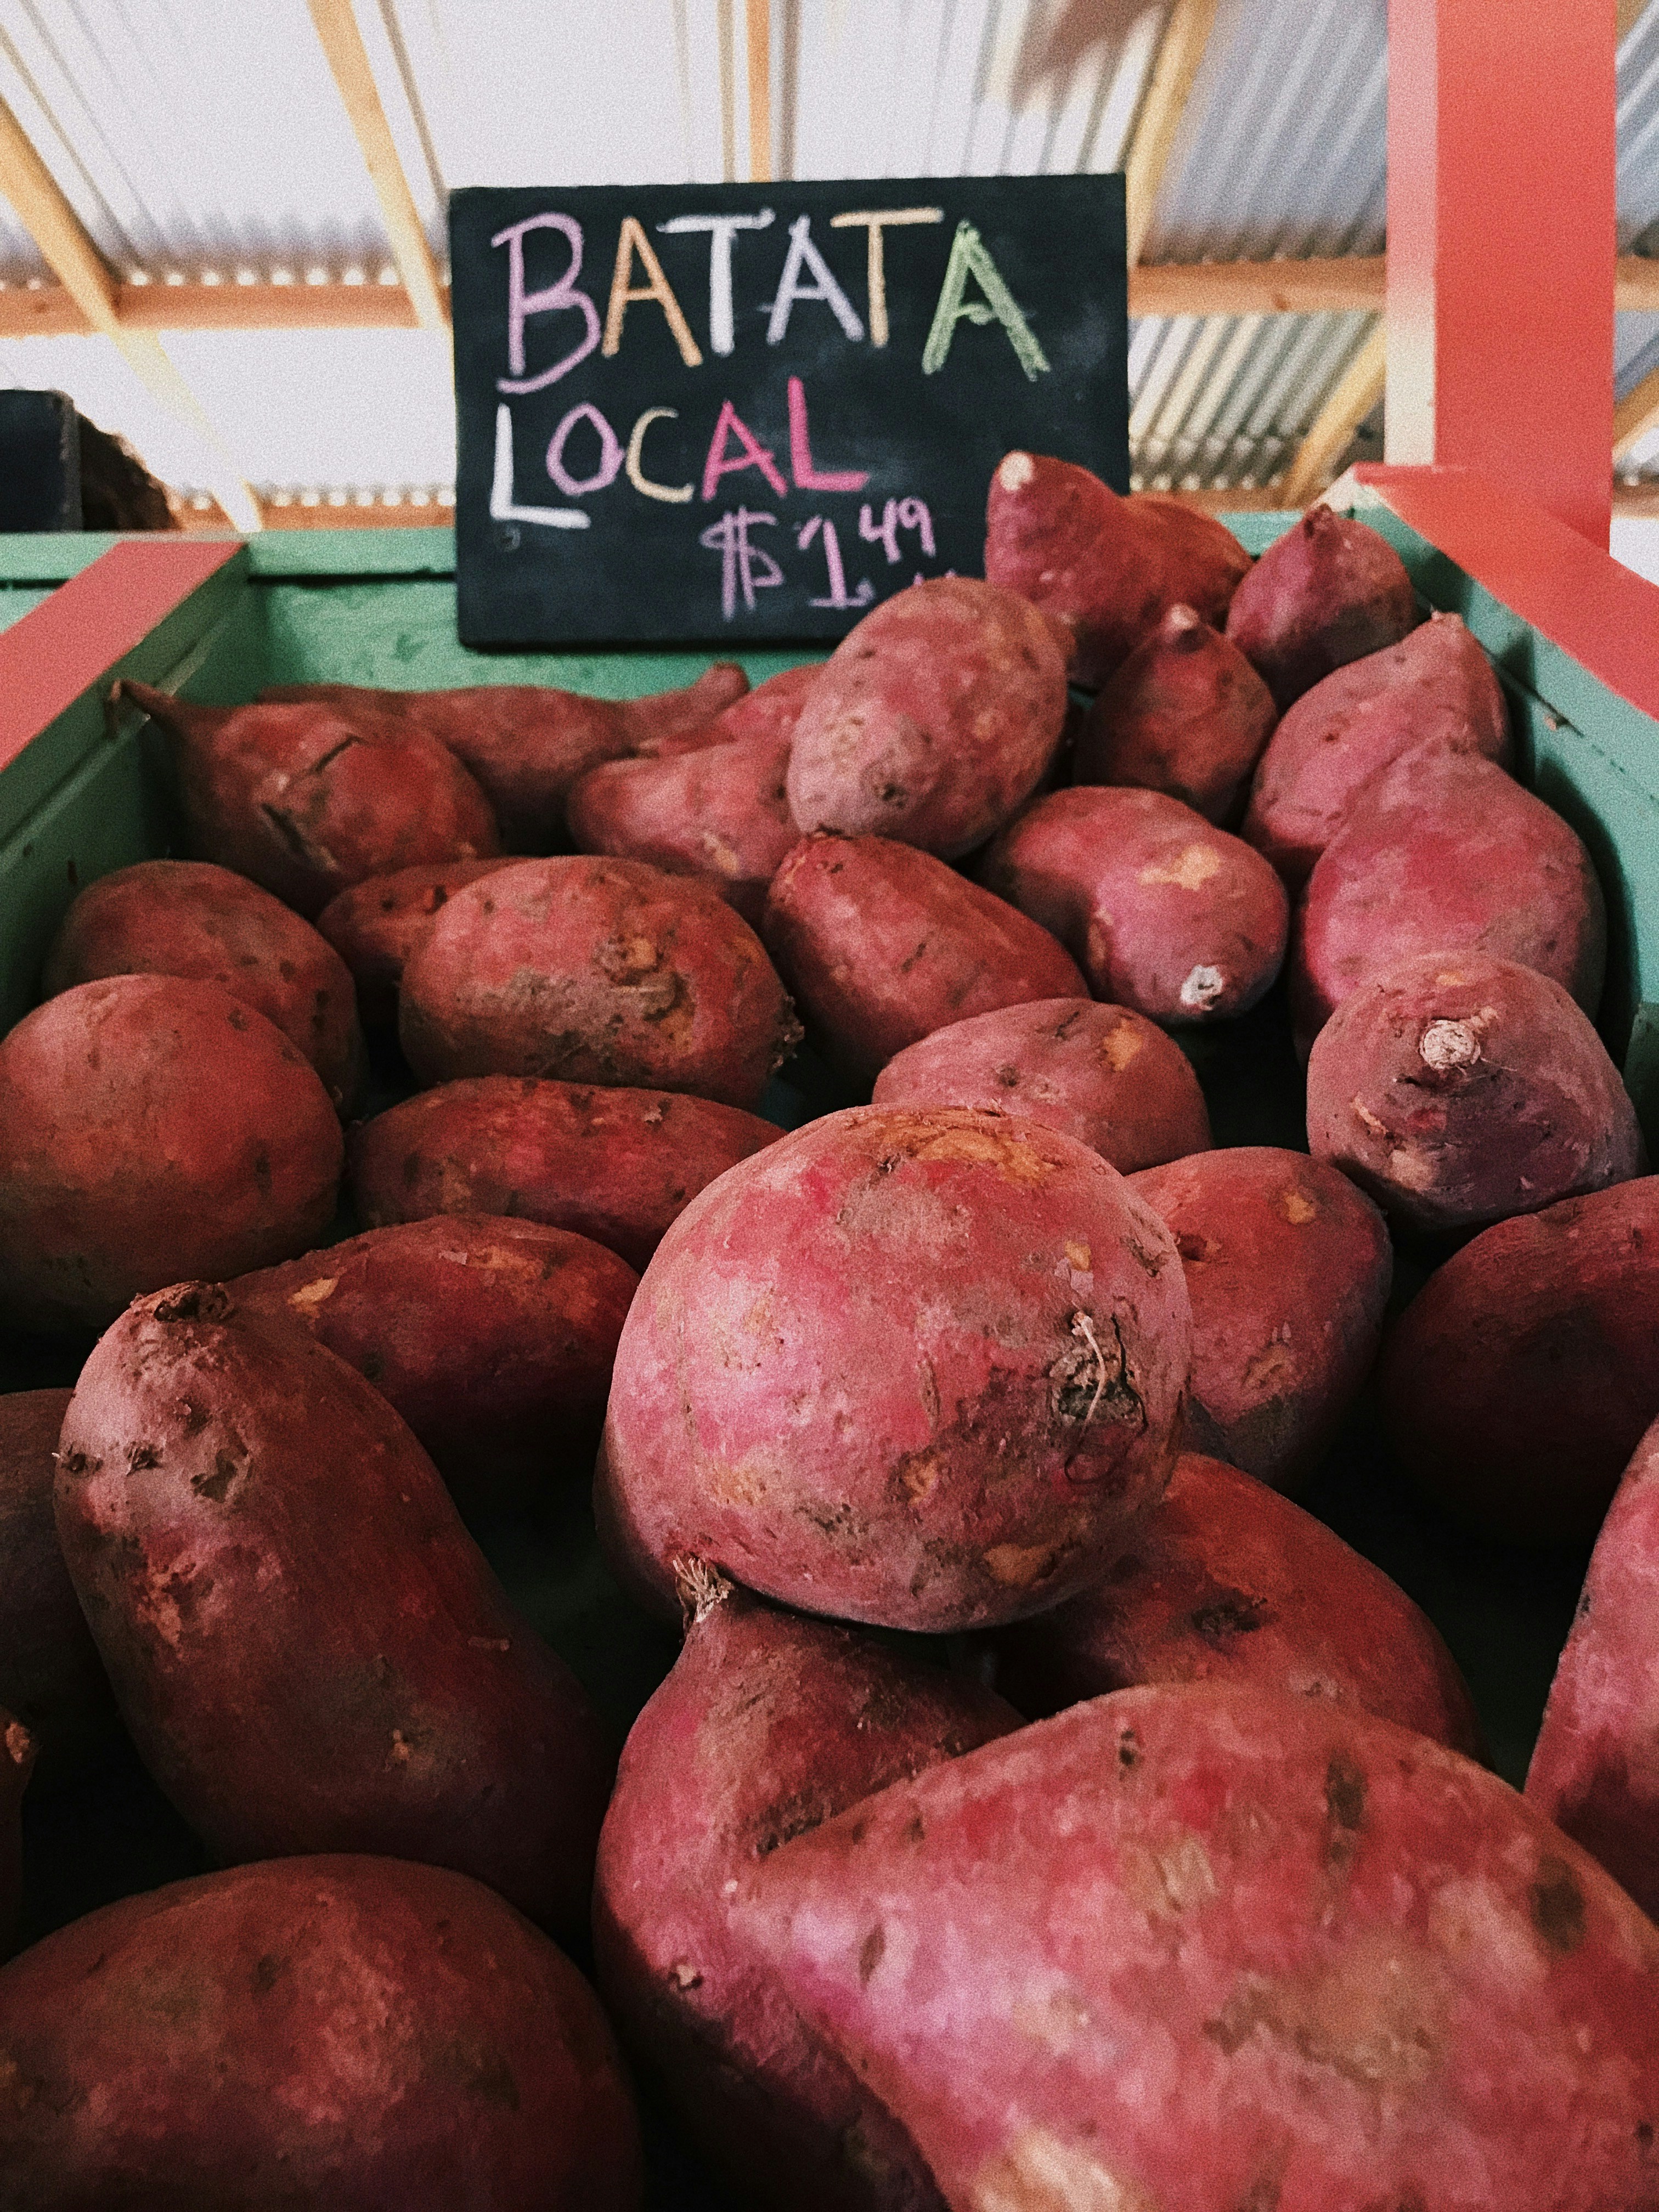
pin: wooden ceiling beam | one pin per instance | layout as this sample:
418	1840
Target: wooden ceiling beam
1355	394
757	29
1169	86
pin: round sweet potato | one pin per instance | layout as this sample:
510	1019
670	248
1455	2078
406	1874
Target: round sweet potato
1230	1583
152	1128
615	1165
339	2032
595	971
1458	1089
882	944
918	1368
1177	919
376	925
492	1338
190	918
1186	714
1288	1268
308	1649
1108	1077
1517	1383
1329	592
934	719
768	1725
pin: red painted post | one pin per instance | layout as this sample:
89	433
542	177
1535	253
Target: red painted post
1501	246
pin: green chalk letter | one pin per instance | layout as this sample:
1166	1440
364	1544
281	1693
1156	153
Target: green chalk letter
969	258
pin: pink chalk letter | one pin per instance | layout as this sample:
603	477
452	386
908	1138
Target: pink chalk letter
754	455
807	479
521	304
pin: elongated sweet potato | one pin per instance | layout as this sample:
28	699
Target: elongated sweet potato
1330	591
1179	920
1517	1383
307	799
922	1368
492	1338
1458	1089
615	1165
1108	569
190	918
1288	1268
1595	1769
934	719
1186	714
768	1725
307	1648
595	971
770	710
1108	1077
149	1128
347	2032
376	925
17	1749
1435	690
1230	1583
882	944
1203	1949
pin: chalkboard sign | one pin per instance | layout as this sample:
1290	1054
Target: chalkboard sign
748	412
39	461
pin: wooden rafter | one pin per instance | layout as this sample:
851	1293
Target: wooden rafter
1630	13
1635	415
1186	35
758	26
348	57
1356	392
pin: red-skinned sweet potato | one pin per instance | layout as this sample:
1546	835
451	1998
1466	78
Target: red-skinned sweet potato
768	1725
190	918
1458	1089
1517	1383
1165	913
934	719
1595	1769
1186	714
1329	591
308	1649
1202	1949
492	1338
17	1749
615	1165
1108	569
307	799
1108	1077
1435	690
770	710
1288	1268
1230	1583
1448	854
376	925
595	971
346	2032
882	944
919	1368
152	1128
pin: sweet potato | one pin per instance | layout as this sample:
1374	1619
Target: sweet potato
882	944
1186	714
1288	1268
1108	1078
1458	1089
1166	914
307	799
189	918
350	2032
1447	854
1205	1949
492	1338
1329	592
308	1649
51	1675
376	925
721	813
1517	1383
921	1368
1595	1769
768	1725
595	971
1230	1583
615	1165
934	719
1434	691
151	1128
1108	569
770	710
17	1749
